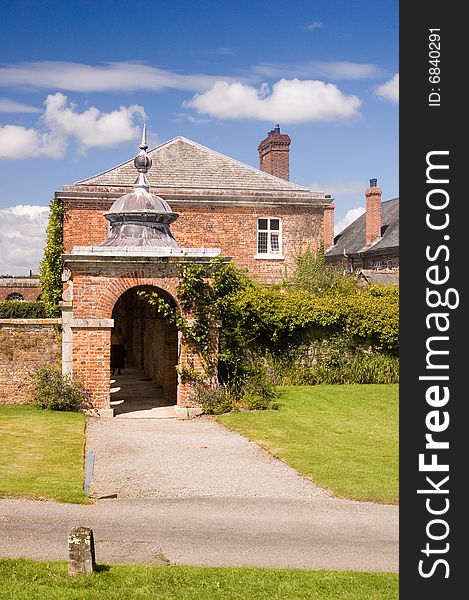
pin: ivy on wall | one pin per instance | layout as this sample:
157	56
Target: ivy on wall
51	265
201	295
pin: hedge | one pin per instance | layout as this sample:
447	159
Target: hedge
277	319
22	310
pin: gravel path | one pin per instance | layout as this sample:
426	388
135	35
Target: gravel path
192	492
168	458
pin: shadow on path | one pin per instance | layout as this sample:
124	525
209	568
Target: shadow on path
135	395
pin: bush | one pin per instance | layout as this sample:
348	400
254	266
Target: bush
54	391
313	275
359	368
22	310
214	400
254	390
257	388
261	317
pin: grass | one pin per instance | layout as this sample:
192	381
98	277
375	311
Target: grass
41	454
28	580
343	437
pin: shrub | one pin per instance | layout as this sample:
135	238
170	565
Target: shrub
22	310
359	368
214	400
313	275
257	388
254	390
54	391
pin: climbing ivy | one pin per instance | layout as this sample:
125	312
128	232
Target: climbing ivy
201	294
51	265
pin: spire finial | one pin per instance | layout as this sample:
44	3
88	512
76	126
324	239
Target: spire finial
144	145
142	162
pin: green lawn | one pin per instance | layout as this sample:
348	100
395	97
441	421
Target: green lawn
28	580
344	437
41	454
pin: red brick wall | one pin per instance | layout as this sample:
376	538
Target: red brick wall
84	224
233	229
91	361
29	293
154	358
25	344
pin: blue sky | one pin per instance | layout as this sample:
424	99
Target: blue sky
78	79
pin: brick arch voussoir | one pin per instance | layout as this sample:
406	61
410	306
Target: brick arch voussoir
111	292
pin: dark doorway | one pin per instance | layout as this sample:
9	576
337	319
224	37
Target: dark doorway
151	347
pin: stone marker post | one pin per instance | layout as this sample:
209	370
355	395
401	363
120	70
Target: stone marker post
81	551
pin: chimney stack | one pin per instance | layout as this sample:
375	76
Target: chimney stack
328	227
273	153
373	213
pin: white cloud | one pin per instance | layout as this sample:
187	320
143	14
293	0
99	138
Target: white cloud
20	142
350	216
22	238
389	90
340	188
289	101
61	121
91	128
113	76
338	70
12	106
315	25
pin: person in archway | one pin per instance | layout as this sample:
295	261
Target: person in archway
117	350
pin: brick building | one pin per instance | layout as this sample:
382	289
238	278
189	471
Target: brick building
254	215
118	242
371	243
20	288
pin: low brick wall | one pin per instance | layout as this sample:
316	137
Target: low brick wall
25	344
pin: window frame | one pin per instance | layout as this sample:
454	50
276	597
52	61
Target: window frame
269	254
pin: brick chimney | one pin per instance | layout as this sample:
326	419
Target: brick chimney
373	213
328	231
273	153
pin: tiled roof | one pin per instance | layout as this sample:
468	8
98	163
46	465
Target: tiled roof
380	277
183	163
352	238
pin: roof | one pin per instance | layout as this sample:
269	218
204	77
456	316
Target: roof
352	239
380	277
183	163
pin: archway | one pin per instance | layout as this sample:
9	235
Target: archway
149	378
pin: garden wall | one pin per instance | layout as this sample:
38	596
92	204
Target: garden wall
25	344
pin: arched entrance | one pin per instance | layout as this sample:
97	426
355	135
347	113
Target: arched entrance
149	378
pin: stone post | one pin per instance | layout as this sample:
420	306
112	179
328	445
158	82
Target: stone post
81	559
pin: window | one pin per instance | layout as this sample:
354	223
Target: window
269	238
15	297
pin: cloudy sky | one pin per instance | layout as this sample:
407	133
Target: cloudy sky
78	79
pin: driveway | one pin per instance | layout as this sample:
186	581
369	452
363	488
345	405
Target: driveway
192	492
